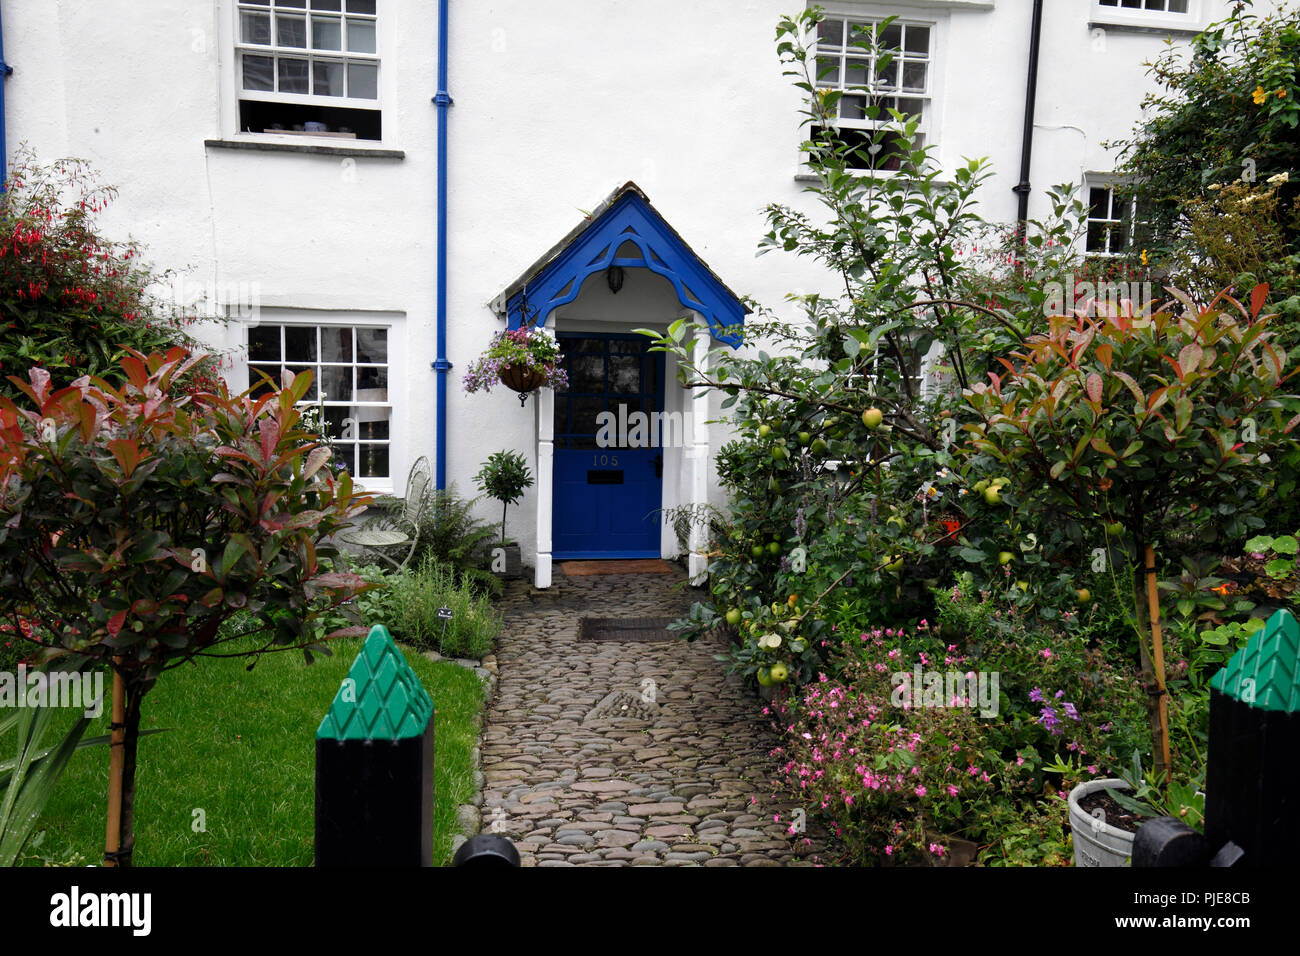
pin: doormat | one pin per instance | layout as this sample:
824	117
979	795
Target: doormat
626	629
578	569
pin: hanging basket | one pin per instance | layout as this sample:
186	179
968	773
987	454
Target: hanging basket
522	379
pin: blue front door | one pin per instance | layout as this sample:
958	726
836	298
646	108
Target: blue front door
608	463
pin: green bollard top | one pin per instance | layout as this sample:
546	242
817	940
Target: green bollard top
380	699
1266	672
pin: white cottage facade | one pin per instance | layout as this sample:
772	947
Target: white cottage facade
601	167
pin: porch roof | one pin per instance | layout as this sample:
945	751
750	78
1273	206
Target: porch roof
626	215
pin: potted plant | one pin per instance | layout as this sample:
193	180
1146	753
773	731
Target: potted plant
504	477
1097	840
521	359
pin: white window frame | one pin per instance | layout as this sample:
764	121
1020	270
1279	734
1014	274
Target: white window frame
353	320
1102	181
1194	19
852	16
387	28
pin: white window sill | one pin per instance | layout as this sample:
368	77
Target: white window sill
803	177
321	146
924	4
1149	21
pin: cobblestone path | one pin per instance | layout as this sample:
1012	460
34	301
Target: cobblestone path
684	779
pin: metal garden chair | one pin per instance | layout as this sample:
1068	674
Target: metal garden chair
404	529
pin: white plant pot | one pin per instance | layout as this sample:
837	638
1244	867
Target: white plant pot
1096	842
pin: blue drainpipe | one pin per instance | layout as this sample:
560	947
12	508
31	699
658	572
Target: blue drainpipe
442	366
5	70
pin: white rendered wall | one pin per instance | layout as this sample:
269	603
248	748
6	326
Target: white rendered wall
555	106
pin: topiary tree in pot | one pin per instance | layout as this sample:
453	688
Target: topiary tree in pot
505	477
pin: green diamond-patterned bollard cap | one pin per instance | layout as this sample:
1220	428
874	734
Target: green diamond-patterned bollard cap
381	698
1266	672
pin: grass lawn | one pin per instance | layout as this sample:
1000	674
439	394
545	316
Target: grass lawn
240	746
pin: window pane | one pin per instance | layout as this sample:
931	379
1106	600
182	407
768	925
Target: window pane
625	374
361	36
335	345
291	3
887	76
327	78
861	34
891	38
585	411
293	76
325	4
853	108
855	73
255	380
255	27
374	461
911	107
830	33
361	6
258	72
828	71
300	343
372	345
291	31
917	40
337	382
375	379
337	424
326	33
264	343
914	77
315	380
1177	6
363	81
1096	237
377	430
1098	203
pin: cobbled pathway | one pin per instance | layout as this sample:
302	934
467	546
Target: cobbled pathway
683	779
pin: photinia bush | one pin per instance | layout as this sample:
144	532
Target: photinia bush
134	521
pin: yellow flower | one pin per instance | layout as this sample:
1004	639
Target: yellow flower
1281	92
1259	95
1144	259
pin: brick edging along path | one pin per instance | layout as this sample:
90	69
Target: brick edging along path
683	778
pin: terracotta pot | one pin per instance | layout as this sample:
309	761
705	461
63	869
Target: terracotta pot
521	378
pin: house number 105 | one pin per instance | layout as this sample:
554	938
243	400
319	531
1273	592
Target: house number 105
605	460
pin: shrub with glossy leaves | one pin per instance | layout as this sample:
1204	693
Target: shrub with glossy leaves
134	521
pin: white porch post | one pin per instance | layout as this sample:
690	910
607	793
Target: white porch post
544	402
697	455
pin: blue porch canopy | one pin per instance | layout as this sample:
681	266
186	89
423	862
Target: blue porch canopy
626	216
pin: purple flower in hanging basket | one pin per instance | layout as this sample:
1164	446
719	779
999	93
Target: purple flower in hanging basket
532	356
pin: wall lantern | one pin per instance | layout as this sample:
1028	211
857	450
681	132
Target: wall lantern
614	276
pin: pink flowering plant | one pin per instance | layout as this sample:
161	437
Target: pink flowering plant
525	347
897	775
895	785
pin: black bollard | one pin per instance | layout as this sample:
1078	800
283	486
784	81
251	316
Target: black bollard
1167	842
487	850
1252	783
374	764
